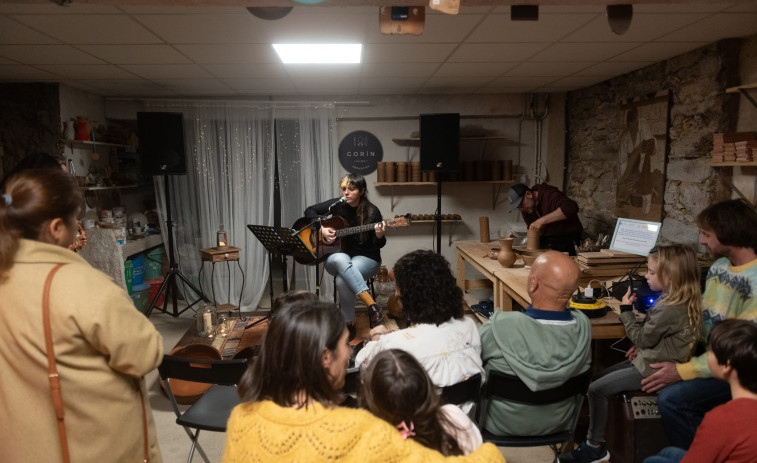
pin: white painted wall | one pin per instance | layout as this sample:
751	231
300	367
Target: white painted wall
396	116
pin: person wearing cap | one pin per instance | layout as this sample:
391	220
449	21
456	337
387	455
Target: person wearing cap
547	209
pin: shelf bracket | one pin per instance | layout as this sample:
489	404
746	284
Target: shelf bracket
730	184
496	190
393	204
451	232
749	97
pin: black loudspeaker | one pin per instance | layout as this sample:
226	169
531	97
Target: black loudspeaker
161	143
440	142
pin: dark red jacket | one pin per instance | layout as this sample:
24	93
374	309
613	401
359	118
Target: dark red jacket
549	199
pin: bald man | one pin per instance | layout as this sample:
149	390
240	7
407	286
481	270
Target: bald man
543	346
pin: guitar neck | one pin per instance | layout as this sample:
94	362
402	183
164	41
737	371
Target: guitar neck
353	230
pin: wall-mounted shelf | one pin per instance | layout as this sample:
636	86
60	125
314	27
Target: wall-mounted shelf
417	141
496	187
94	143
118	187
434	221
733	164
744	90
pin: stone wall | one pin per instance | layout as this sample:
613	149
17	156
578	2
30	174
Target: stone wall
698	107
29	122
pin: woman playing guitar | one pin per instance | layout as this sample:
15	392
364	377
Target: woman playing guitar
361	258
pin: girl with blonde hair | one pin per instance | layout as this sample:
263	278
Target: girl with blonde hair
667	334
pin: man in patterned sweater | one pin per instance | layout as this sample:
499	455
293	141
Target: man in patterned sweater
687	390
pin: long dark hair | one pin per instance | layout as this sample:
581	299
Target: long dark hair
428	289
397	389
288	369
31	199
364	209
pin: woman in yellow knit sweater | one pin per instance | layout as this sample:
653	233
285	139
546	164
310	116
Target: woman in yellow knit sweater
290	392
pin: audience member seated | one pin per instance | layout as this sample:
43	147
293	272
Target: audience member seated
101	345
444	340
289	394
544	346
686	390
397	389
667	333
727	431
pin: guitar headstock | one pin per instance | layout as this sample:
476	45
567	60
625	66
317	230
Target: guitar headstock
397	222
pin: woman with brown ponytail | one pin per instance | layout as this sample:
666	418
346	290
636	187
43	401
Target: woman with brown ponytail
100	345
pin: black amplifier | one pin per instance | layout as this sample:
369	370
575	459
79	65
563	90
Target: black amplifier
634	427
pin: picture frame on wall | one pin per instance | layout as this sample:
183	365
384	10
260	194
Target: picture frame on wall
642	154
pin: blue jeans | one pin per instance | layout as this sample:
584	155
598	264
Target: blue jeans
350	273
683	405
667	455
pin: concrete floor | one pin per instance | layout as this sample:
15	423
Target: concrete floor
174	442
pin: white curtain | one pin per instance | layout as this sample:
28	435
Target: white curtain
307	173
230	159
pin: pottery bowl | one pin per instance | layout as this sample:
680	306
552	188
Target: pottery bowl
529	256
493	253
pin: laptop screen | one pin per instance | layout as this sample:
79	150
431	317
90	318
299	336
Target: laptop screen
634	236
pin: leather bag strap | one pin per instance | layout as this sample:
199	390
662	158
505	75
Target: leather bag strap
52	371
144	423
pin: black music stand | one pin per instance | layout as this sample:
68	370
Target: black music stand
276	241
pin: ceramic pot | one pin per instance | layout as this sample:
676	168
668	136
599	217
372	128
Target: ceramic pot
506	256
534	237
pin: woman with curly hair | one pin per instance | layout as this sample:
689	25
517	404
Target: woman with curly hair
443	340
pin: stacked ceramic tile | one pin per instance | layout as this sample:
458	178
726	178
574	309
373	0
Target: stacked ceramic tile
733	146
745	150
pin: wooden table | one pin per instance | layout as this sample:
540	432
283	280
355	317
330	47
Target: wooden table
509	284
237	339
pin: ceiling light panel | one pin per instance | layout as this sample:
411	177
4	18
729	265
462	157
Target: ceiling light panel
319	53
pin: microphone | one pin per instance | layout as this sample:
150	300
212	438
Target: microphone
341	200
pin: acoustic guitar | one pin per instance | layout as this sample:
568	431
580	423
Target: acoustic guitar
339	224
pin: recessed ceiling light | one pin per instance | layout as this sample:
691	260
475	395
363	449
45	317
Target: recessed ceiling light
319	53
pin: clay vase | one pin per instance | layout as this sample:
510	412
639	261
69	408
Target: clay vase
506	256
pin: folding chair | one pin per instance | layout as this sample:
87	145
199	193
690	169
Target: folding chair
502	386
212	410
462	393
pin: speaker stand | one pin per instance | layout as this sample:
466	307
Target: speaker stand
170	287
438	217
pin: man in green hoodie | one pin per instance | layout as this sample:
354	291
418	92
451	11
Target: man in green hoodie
544	346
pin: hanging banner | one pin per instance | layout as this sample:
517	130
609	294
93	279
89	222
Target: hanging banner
360	152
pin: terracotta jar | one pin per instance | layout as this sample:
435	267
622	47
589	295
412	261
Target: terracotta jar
506	256
534	236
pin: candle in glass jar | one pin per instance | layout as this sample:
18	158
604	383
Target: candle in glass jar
207	320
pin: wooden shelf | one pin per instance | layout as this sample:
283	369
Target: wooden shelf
733	164
94	143
417	141
99	188
379	184
443	221
740	87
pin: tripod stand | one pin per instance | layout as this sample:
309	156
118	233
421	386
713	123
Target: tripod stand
169	287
